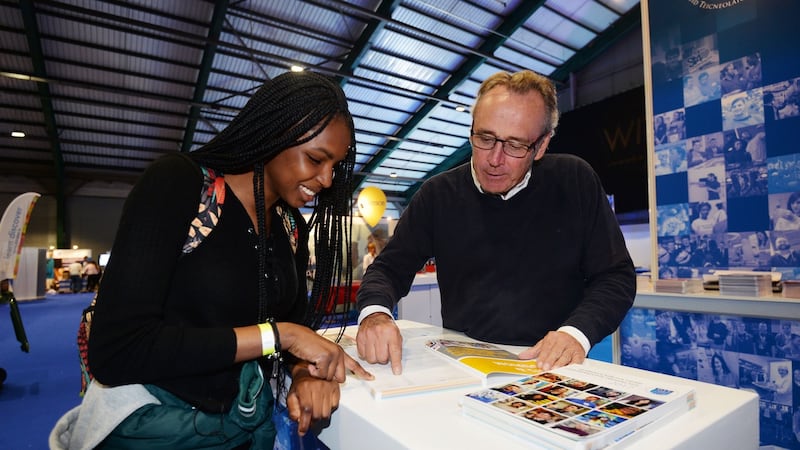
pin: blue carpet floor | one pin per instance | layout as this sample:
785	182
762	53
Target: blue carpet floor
43	384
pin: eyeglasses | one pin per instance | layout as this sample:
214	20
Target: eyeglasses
510	147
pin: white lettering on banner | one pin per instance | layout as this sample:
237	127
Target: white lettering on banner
13	234
715	4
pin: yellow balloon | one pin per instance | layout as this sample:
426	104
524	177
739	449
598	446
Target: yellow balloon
371	204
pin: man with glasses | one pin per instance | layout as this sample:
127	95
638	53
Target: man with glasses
528	251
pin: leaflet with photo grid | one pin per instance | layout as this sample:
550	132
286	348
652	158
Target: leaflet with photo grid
577	407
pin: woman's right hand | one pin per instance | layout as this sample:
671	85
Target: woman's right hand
326	359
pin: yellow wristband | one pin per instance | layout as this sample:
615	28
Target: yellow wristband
267	339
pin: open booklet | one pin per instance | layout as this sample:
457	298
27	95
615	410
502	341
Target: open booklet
576	407
482	358
433	361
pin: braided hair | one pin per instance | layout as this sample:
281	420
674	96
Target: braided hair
289	110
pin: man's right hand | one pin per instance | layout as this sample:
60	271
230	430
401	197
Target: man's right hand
379	341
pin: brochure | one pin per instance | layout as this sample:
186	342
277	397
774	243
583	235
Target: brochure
575	407
482	358
432	361
423	370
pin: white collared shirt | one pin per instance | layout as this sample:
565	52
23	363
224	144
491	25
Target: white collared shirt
513	191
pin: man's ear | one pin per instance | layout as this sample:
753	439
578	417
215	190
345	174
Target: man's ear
543	145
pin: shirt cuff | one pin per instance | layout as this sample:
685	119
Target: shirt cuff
579	336
373	309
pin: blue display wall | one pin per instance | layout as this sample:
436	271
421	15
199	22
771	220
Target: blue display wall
759	354
724	108
725	98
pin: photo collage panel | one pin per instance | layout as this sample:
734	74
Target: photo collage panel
727	180
757	354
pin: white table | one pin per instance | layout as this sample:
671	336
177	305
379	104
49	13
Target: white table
724	418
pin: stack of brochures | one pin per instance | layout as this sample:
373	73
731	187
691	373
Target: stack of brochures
575	407
755	284
679	285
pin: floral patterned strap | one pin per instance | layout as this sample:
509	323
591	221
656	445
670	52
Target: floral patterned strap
290	225
212	196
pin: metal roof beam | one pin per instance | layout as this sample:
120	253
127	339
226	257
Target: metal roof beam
38	63
214	30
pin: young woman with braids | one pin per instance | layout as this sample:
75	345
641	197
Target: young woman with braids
199	325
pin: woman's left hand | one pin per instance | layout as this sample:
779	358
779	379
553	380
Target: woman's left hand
310	398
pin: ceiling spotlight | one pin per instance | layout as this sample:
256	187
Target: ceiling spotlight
296	68
460	108
18	134
393	174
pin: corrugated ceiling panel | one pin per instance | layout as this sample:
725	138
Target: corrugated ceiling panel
113	112
374	126
111	161
380	97
438	25
468	15
427	158
168	15
396	80
589	13
447	125
524	60
370	110
127	102
369	139
22	100
24	153
409	165
15	64
10	117
526	41
414	76
405	160
307	15
126	89
547	22
411	48
436	142
10	17
249	76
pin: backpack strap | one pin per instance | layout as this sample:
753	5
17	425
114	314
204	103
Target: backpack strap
212	196
290	225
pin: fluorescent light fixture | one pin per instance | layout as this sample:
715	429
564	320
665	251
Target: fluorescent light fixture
18	134
20	76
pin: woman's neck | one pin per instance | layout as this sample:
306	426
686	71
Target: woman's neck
242	185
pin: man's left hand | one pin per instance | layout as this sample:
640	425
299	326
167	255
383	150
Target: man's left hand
556	349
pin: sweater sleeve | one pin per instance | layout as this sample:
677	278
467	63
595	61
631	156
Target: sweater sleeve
610	279
130	341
